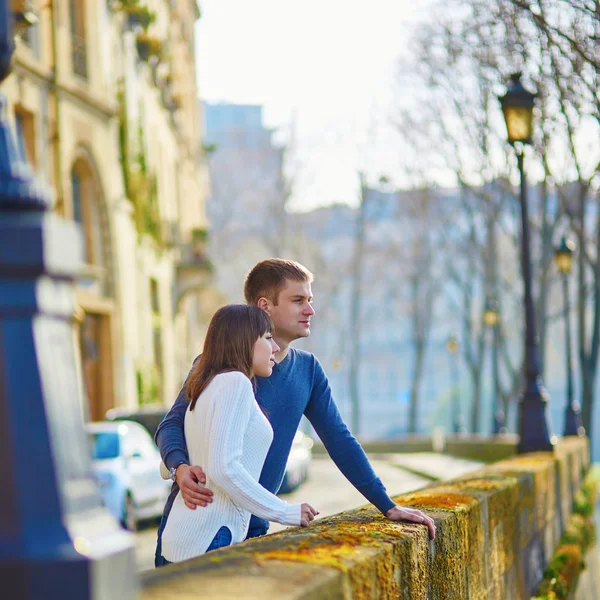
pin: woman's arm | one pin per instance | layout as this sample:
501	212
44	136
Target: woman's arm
231	416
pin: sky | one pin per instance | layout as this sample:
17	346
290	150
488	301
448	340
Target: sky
324	70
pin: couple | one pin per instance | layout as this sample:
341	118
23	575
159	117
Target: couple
229	428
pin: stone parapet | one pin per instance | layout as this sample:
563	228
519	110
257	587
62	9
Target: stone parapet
496	530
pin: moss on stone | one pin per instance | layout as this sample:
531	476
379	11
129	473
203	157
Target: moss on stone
366	548
438	499
561	574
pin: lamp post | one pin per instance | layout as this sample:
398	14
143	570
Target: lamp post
452	347
491	319
534	422
563	257
57	541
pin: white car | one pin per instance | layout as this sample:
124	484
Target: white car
126	464
296	470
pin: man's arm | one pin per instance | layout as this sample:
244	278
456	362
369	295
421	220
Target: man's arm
170	439
348	454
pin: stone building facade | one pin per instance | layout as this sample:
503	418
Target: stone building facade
104	100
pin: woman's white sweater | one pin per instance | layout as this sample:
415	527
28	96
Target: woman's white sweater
229	437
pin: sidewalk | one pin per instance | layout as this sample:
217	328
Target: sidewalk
432	466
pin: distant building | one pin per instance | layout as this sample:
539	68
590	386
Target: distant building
246	206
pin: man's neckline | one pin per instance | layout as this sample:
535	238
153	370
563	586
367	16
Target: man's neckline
280	365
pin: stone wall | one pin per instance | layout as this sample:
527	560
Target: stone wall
496	530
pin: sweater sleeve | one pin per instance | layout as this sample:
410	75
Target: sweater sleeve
170	436
230	419
341	445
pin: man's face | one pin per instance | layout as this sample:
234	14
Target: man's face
291	316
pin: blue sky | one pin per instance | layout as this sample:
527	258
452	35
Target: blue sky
325	70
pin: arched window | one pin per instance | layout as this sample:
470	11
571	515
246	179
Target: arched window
87	210
78	37
94	290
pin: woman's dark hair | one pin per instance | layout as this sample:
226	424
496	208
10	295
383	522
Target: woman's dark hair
229	345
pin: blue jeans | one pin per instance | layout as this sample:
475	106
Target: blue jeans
161	561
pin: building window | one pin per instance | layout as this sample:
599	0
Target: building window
77	199
25	124
154	301
78	41
156	335
76	185
31	38
86	211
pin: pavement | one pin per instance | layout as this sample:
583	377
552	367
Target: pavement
330	492
433	466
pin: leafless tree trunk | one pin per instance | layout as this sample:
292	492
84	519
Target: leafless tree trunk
355	307
423	286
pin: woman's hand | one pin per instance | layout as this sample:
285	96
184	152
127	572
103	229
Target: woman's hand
308	514
401	513
191	482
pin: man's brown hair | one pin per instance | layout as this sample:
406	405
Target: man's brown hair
269	277
229	346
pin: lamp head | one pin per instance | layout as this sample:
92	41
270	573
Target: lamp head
517	106
452	344
491	315
563	255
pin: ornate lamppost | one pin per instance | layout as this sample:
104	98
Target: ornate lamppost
563	257
452	347
534	422
57	541
491	319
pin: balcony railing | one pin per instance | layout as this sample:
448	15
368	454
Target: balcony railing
79	56
194	270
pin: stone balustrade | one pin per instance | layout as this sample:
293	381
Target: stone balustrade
496	531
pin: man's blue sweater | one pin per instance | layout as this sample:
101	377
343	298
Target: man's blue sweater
297	386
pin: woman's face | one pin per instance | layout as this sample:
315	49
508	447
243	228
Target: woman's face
263	357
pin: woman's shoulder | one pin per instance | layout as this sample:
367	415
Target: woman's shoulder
232	380
232	376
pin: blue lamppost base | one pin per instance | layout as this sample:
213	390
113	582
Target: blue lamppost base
534	423
573	423
57	541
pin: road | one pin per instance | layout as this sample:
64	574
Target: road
326	489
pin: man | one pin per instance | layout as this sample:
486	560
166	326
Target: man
297	386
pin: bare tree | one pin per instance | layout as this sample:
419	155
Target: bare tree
423	286
355	306
461	63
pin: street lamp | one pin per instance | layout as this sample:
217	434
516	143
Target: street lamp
491	319
534	423
491	315
563	257
452	347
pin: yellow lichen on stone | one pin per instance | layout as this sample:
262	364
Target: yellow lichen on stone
332	556
484	485
438	499
367	551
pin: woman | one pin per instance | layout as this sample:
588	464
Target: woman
227	432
